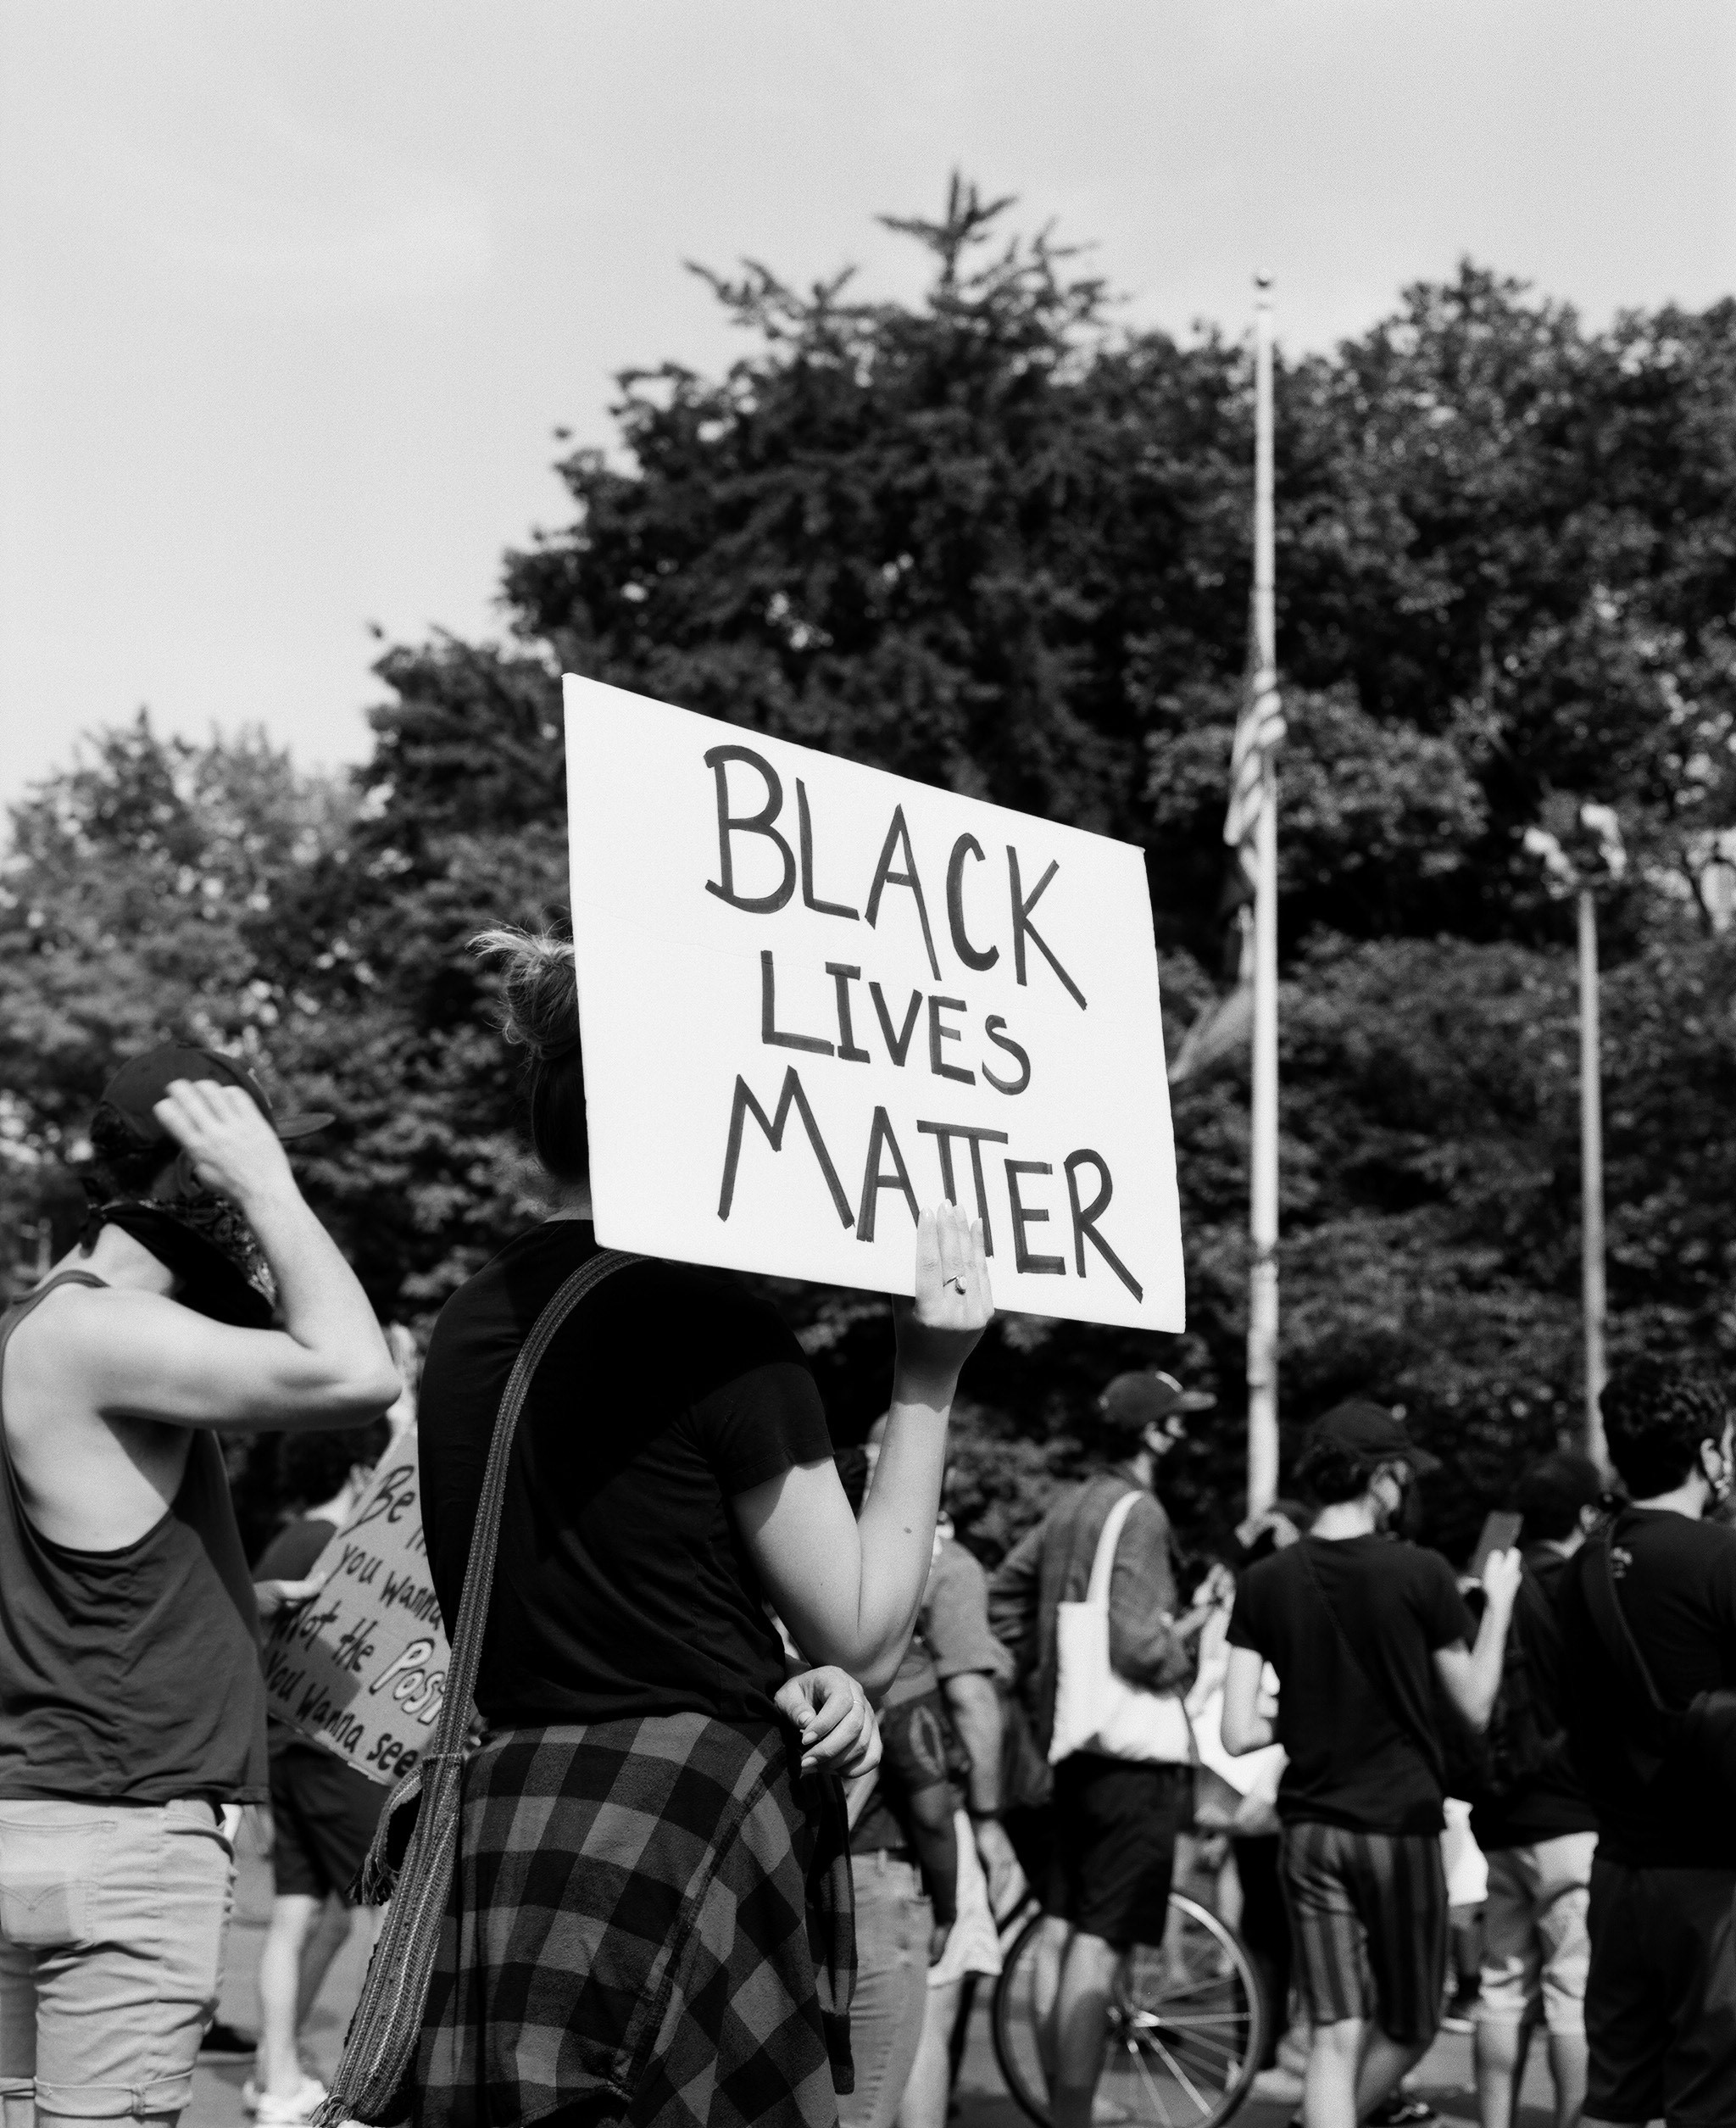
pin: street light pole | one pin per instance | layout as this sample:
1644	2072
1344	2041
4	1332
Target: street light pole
1580	850
1263	1180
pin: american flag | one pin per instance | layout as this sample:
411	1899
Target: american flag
1258	731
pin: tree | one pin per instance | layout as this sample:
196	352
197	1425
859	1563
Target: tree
133	889
988	540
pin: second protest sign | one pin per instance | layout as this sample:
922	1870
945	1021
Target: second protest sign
361	1668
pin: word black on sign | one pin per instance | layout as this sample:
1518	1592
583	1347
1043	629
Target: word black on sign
361	1668
817	997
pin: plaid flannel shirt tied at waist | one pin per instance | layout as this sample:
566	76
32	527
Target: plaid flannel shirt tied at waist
650	1912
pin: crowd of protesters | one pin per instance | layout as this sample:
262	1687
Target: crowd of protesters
693	1621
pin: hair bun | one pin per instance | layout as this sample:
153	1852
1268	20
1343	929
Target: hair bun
539	997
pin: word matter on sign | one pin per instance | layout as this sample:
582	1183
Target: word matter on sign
361	1668
815	997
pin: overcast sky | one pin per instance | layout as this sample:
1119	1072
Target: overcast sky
293	297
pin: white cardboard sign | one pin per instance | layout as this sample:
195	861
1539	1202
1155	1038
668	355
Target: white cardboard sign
362	1667
816	996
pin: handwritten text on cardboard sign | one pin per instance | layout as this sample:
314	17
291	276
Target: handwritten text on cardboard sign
788	962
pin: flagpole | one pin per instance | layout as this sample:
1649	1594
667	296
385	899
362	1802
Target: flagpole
1263	1181
1591	1144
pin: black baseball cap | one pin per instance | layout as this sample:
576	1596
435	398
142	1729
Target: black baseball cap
1135	1400
1374	1435
143	1081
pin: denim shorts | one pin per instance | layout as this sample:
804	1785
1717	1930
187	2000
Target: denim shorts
112	1920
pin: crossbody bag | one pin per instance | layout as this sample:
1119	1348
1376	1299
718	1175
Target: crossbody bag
1700	1736
388	2023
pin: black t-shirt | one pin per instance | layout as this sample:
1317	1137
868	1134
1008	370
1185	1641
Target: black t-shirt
1676	1586
1360	1735
621	1587
291	1556
295	1550
1553	1800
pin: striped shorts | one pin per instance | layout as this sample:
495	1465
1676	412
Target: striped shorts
1368	1918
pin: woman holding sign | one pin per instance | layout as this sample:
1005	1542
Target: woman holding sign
653	1855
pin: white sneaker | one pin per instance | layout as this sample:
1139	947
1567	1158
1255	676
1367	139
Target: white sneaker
289	2113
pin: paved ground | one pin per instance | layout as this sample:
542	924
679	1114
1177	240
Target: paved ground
1445	2078
217	2085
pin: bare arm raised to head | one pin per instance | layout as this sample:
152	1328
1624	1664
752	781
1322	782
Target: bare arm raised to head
135	1355
849	1591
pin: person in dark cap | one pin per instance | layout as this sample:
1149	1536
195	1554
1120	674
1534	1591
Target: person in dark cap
1115	1818
204	1294
1358	1626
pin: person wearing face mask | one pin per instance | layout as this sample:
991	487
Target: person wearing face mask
1115	1820
1360	1625
132	1707
1648	1628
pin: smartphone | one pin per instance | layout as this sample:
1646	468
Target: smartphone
1500	1532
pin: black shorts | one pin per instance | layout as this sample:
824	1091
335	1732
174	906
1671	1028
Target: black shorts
323	1816
1114	1825
1368	1924
1661	1997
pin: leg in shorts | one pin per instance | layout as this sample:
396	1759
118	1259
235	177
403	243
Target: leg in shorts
1368	1918
1661	1997
323	1816
1536	1949
112	1920
1115	1845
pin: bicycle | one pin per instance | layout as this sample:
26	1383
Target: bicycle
1187	2024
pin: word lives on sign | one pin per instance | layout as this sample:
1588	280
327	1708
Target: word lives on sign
817	997
361	1668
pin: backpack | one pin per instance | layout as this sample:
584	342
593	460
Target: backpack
1524	1736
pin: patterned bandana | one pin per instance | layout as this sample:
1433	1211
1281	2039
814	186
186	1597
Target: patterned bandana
204	1240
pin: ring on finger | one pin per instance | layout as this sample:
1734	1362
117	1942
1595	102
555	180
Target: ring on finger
957	1284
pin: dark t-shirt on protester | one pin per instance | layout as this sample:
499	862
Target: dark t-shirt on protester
1679	1596
295	1550
1351	1762
291	1556
622	1587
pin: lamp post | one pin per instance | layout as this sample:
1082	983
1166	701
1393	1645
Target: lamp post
1263	1177
1589	856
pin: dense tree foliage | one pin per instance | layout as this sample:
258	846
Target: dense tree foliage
989	541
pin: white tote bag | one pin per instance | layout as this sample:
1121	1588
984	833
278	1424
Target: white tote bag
1095	1710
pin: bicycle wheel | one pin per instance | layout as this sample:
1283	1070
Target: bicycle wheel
1186	2024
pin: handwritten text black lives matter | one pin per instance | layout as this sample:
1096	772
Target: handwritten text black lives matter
855	1013
361	1668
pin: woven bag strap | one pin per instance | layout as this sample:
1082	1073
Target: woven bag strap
479	1569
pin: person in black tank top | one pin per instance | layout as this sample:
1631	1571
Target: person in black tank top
131	1702
670	1483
